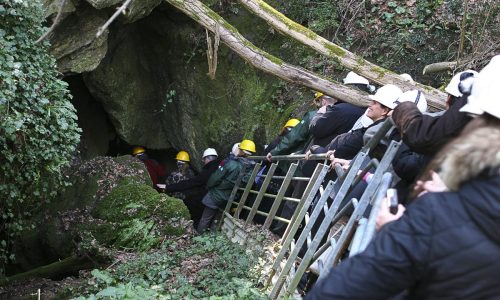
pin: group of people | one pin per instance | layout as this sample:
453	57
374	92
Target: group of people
206	192
444	241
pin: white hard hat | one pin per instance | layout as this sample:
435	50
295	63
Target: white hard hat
387	95
483	97
452	87
353	78
416	97
209	151
407	77
235	149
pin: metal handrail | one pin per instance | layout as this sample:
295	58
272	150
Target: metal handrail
337	191
321	156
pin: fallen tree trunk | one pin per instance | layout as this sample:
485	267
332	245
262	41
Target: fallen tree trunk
439	67
57	269
263	60
277	20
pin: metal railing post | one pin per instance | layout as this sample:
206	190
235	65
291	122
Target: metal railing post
312	187
280	195
324	225
259	197
322	170
247	190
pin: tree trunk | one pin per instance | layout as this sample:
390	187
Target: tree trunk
277	20
59	268
263	60
439	67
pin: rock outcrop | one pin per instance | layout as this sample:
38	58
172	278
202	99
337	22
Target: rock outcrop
148	70
110	205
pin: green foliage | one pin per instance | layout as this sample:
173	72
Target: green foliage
38	128
210	268
319	16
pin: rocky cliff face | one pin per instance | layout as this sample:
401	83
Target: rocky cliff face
148	71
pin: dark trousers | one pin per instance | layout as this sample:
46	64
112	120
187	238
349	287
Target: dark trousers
206	219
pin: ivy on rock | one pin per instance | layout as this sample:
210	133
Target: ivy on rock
38	123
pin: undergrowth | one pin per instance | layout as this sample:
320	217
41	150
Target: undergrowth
204	267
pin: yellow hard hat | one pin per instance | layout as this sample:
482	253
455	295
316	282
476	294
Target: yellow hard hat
182	155
247	145
291	123
318	95
138	150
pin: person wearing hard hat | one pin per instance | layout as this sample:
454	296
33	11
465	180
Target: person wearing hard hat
362	83
446	245
183	172
156	171
195	188
427	134
347	145
221	183
283	132
484	99
299	136
359	81
333	118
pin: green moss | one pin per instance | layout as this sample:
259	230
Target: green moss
334	50
135	216
105	233
126	202
138	234
289	23
360	61
381	72
170	207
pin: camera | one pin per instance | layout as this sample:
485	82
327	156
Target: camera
392	195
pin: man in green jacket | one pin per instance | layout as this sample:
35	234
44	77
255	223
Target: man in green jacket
299	136
221	183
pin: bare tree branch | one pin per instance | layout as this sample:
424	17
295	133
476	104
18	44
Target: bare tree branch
54	24
113	17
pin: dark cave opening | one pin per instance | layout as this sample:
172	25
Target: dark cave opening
98	136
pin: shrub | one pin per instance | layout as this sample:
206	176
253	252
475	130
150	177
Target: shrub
38	124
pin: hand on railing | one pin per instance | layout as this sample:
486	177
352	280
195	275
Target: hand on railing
344	163
435	185
384	214
269	157
308	153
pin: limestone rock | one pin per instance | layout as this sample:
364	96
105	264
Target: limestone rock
139	9
51	7
110	205
99	4
74	42
150	77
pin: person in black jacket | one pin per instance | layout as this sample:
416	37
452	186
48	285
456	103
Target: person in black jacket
447	244
195	188
348	144
426	134
332	119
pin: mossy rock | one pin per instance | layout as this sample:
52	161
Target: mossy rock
110	203
135	216
94	179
